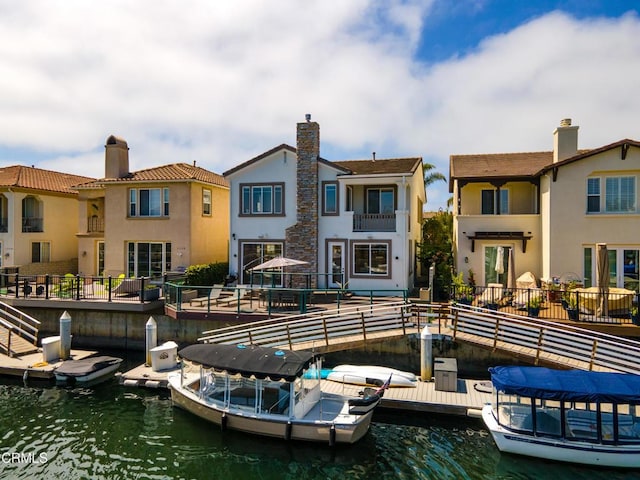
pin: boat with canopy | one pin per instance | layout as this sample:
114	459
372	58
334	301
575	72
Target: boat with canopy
576	416
270	392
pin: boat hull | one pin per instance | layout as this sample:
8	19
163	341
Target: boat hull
278	426
93	377
371	375
586	453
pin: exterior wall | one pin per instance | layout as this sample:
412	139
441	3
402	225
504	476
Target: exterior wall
522	197
209	233
59	228
119	228
280	167
571	228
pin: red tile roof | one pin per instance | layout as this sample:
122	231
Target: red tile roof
164	173
20	176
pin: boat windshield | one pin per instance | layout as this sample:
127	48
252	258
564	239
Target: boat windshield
579	421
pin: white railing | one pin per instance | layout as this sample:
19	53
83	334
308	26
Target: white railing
18	323
546	341
318	329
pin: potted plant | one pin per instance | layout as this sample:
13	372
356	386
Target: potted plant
570	304
634	315
463	293
150	293
533	306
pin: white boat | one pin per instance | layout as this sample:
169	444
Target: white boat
87	370
371	375
269	392
576	416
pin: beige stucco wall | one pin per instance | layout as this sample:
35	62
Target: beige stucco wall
571	228
522	197
209	234
59	228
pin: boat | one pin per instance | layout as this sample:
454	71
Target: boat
371	375
87	370
268	391
576	416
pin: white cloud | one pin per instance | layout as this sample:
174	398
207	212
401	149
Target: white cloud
219	82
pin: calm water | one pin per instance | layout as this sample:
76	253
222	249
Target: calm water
114	432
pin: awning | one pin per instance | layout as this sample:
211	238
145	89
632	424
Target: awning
250	360
567	385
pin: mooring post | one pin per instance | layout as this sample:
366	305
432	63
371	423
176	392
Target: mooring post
151	337
65	336
426	354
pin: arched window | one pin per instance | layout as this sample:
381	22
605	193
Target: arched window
31	214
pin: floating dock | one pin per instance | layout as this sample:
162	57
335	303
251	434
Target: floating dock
144	376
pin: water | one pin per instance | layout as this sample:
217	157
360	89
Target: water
112	432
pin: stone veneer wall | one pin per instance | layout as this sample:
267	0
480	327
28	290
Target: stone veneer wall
302	238
51	268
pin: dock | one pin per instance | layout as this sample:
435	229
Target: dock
144	376
32	366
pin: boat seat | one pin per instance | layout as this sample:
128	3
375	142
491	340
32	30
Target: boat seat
583	423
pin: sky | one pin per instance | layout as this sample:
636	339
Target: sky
220	82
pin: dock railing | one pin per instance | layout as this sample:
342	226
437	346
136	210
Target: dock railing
18	323
320	329
544	341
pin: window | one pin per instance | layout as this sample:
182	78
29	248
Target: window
262	199
40	252
380	200
371	259
4	216
593	195
490	201
149	202
145	259
255	253
619	195
206	201
349	206
329	198
31	214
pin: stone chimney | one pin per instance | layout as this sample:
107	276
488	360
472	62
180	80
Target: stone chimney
302	238
116	158
565	141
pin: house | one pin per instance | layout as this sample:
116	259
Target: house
354	222
151	221
36	232
549	209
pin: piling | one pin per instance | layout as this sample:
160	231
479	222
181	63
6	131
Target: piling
65	336
426	354
151	337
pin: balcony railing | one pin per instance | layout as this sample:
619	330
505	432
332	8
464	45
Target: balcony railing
95	224
31	224
374	222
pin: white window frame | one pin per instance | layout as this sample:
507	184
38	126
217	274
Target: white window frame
206	202
158	202
357	245
44	255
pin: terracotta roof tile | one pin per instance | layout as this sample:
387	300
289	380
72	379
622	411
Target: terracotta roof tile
20	176
172	172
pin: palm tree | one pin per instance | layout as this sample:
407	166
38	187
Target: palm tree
431	177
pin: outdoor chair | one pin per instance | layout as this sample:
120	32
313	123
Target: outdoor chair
492	295
214	295
236	296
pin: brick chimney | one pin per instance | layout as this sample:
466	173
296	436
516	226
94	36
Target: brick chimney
116	158
565	141
302	238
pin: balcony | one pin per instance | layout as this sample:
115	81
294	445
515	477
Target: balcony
95	224
374	222
31	224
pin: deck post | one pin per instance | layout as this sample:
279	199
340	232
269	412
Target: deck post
65	336
426	354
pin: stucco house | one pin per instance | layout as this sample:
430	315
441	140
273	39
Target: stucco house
151	221
549	209
355	222
37	234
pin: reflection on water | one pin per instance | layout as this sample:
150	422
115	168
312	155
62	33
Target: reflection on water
112	432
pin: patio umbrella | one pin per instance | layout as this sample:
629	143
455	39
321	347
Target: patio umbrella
602	270
278	262
500	261
511	273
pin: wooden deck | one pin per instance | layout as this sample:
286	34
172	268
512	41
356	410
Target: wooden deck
19	346
33	365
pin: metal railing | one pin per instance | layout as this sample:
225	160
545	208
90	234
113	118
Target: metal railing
79	288
374	222
545	341
18	323
319	329
565	304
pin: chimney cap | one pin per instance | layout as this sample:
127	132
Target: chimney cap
565	122
307	117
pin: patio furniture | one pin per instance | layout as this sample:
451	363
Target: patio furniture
492	294
238	294
214	295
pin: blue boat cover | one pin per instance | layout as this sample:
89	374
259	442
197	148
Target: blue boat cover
567	385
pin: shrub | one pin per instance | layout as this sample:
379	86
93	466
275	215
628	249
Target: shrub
208	274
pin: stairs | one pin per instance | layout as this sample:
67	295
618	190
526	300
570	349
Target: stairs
18	332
